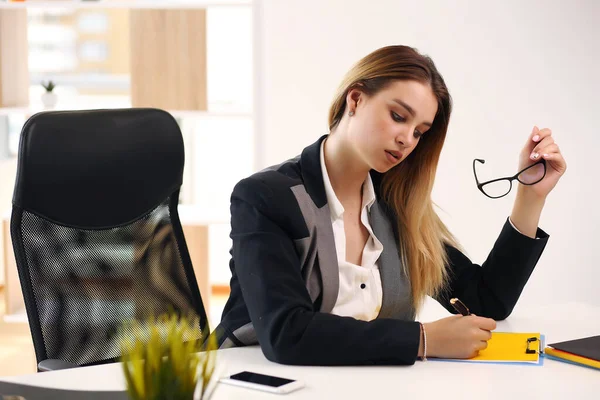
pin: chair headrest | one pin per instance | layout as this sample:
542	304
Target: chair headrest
98	168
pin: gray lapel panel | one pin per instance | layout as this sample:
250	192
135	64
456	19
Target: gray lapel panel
307	250
227	343
245	334
397	299
318	222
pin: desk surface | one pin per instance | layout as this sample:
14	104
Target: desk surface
432	379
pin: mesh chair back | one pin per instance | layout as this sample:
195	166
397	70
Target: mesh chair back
95	229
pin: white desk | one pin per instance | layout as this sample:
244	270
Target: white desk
432	379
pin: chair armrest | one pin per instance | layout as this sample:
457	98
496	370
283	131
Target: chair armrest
54	365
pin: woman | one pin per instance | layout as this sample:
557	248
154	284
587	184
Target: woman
335	250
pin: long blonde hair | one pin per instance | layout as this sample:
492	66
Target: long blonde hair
407	187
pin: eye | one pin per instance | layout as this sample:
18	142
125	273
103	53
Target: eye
417	134
397	117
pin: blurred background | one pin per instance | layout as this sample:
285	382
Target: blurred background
86	53
272	68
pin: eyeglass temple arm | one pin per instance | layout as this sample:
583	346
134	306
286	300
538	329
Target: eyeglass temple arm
475	173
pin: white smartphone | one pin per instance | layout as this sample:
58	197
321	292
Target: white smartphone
267	383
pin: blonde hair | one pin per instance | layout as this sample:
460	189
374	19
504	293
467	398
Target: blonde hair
406	188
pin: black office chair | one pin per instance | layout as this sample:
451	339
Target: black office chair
95	230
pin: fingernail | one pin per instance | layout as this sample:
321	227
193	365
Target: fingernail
536	138
546	155
534	155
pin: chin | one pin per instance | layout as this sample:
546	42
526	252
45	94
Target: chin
382	169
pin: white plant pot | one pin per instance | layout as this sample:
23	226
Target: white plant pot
49	99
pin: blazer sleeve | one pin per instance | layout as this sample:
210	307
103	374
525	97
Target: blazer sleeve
492	289
288	328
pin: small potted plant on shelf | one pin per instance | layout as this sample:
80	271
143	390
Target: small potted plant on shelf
161	359
49	98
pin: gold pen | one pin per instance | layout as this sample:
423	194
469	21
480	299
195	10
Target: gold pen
460	307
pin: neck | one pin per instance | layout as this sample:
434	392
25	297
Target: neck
346	173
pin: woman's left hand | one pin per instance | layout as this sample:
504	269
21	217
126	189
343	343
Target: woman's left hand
540	144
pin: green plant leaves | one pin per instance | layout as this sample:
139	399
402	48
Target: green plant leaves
161	360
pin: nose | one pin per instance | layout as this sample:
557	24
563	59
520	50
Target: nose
405	138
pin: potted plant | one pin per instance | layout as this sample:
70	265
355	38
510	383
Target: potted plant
49	98
161	359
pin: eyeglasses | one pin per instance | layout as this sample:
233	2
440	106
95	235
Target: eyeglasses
500	187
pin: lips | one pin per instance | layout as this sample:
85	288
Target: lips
395	154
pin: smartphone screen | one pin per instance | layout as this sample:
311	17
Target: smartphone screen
253	377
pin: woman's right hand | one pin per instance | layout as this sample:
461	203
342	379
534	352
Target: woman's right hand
458	336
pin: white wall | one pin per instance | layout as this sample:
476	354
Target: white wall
508	65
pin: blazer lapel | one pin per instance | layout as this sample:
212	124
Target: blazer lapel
313	204
397	298
312	175
318	222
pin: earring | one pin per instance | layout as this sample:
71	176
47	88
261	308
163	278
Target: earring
351	113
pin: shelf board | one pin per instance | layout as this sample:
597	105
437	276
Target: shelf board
132	4
18	317
192	214
4	111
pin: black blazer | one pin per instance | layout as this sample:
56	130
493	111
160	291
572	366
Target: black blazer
285	276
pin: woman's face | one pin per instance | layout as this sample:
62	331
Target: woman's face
387	126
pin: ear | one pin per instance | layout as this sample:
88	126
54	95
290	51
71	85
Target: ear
353	97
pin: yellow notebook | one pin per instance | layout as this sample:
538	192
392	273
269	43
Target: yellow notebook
510	347
573	358
583	351
507	347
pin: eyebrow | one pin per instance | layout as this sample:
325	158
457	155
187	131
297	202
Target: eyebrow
410	110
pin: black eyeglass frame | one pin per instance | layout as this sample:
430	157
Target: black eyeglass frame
510	179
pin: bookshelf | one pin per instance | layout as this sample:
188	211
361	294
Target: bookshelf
168	65
128	4
14	69
159	31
